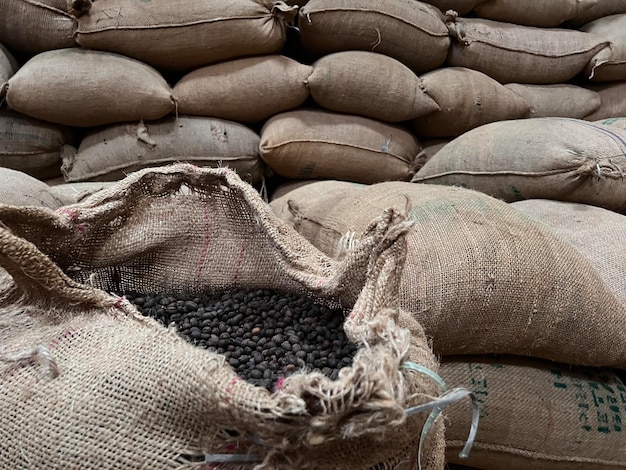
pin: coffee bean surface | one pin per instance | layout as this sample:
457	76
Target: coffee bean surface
264	335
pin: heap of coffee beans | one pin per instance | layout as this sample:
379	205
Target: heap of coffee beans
264	335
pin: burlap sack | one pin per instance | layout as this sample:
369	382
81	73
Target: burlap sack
462	7
8	64
111	153
613	101
71	193
429	150
467	99
610	63
590	10
19	189
598	234
36	25
559	100
537	414
31	145
614	122
85	88
117	390
369	84
174	35
246	90
412	32
310	144
481	277
520	54
548	14
545	158
530	13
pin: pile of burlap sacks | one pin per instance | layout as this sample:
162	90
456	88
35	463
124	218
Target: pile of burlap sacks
344	91
505	117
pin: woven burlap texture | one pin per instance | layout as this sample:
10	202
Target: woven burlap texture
90	382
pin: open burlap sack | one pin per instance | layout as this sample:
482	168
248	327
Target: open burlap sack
482	277
520	54
108	387
19	189
537	414
612	99
83	88
246	90
598	234
37	25
412	32
545	158
31	145
175	35
558	100
467	99
109	154
310	144
610	63
8	64
547	14
369	84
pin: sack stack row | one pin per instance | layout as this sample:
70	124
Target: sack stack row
351	92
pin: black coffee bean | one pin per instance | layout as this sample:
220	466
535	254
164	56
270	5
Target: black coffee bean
255	374
258	357
264	335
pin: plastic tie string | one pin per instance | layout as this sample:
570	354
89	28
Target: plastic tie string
437	406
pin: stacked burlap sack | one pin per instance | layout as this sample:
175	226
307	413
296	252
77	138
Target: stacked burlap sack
509	63
115	89
357	96
514	306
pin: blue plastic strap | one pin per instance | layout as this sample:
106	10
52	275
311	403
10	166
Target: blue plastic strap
437	406
427	372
